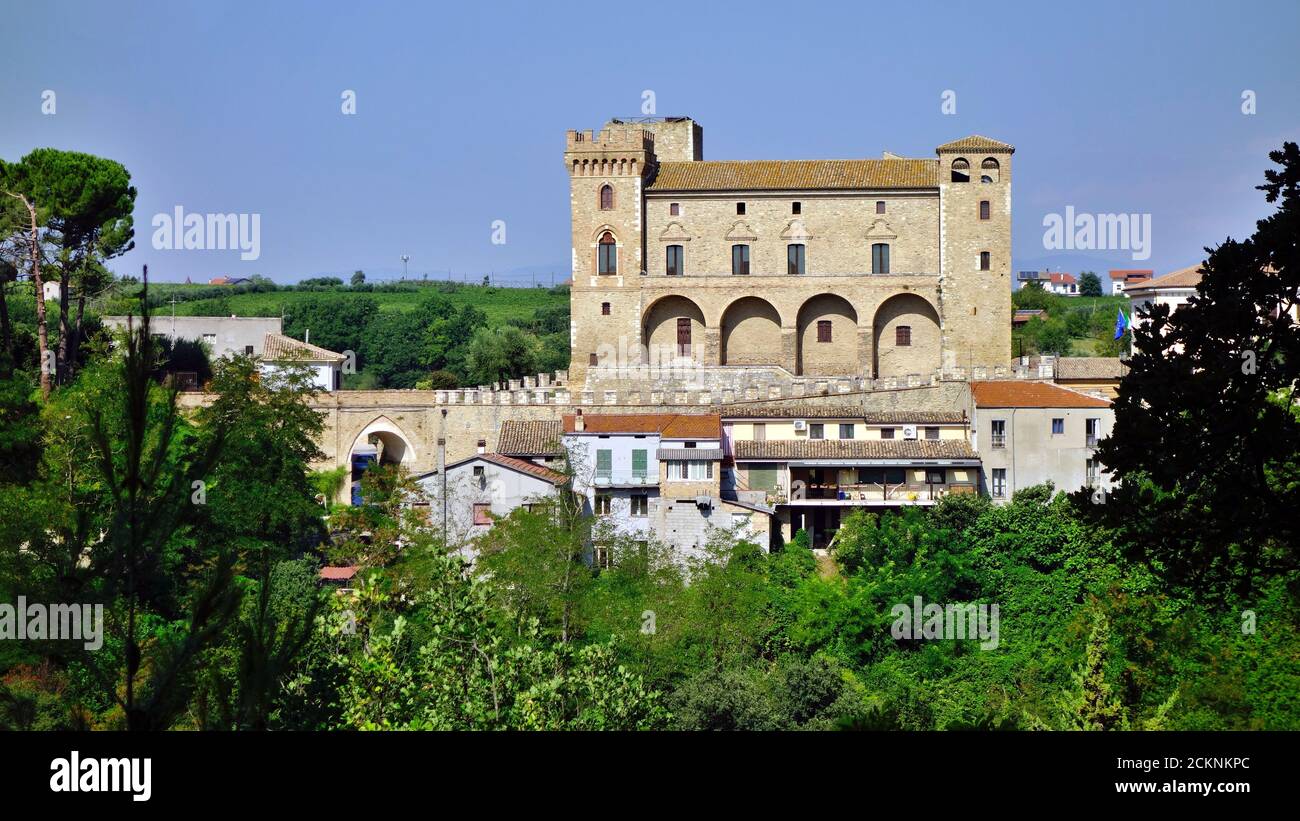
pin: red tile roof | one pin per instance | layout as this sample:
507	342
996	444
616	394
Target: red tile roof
668	425
338	574
1060	278
530	437
1013	393
520	465
794	175
1188	277
1132	273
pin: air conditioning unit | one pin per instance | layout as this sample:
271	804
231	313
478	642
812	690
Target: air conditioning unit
909	431
800	425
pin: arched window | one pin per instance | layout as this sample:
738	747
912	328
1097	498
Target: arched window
607	255
606	197
990	168
880	258
960	170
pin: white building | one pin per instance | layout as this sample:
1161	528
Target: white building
223	335
279	351
483	488
1028	433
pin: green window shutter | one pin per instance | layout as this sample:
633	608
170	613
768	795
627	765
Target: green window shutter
639	463
604	462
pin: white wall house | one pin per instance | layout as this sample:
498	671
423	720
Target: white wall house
279	352
223	335
1028	433
483	488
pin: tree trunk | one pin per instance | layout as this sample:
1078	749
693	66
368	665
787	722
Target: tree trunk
6	333
42	336
61	358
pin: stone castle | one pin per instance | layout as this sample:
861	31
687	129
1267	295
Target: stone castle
736	274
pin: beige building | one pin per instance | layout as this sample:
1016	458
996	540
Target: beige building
815	464
860	267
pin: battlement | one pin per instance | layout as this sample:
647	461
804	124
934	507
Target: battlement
610	138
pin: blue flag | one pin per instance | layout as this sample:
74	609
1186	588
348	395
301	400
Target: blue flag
1121	323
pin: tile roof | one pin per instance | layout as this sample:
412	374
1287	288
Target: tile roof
1013	393
1059	278
1132	273
336	574
530	437
974	143
281	348
525	466
931	417
667	425
785	449
1188	277
1090	367
512	463
788	175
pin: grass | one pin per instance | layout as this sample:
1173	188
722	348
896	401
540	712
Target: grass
499	304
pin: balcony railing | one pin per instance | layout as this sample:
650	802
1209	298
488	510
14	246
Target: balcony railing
1091	441
864	494
625	479
998	440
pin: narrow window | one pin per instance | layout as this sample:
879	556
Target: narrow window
823	330
604	504
1058	427
674	210
604	309
674	261
608	255
846	430
606	197
640	504
639	462
903	336
740	209
740	259
602	556
796	208
984	260
999	483
984	209
998	434
604	463
1090	430
592	361
795	259
880	206
880	258
683	336
760	431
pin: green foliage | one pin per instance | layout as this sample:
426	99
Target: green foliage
1210	389
1089	284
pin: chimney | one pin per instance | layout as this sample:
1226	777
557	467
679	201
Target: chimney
578	424
482	446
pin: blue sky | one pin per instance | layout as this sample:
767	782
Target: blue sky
1115	107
